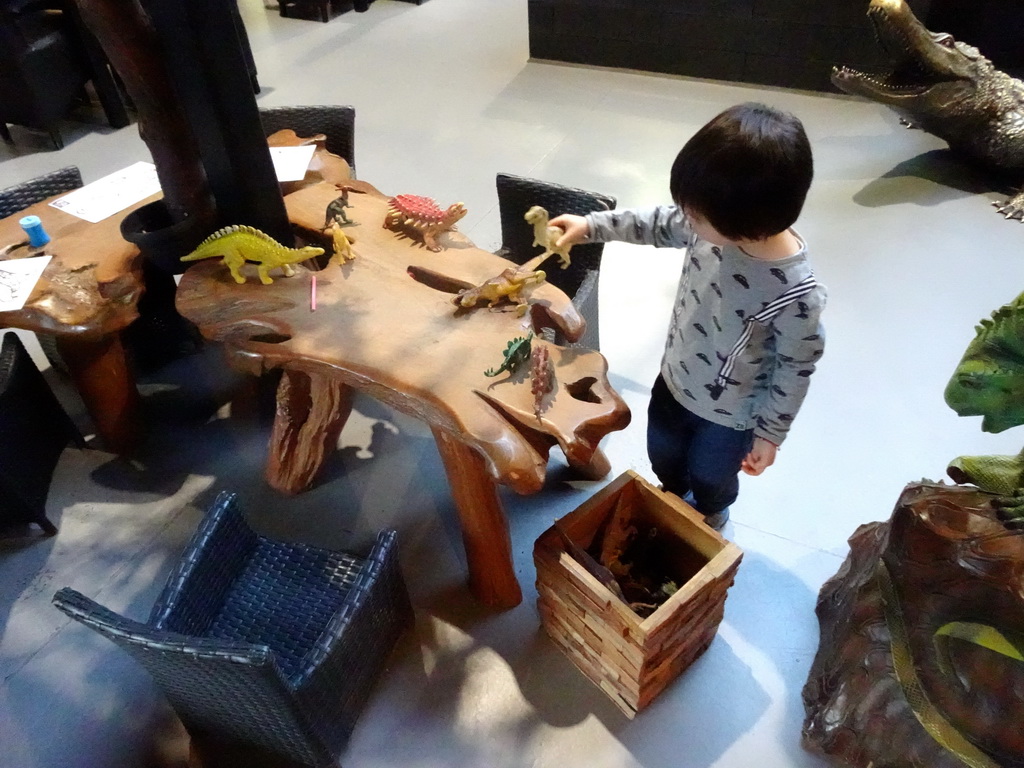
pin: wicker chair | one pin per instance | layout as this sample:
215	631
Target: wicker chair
516	195
20	196
43	72
322	10
35	432
337	123
262	646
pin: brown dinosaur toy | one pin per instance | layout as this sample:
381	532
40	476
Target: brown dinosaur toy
423	216
508	285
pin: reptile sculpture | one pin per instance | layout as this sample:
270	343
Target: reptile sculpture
516	353
989	382
239	243
506	286
948	89
547	236
423	216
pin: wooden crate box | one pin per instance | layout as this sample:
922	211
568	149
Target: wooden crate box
631	658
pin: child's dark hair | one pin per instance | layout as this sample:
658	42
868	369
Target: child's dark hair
746	172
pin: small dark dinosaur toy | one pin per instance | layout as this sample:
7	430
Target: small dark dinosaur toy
517	352
948	89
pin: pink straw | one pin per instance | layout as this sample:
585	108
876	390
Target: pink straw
312	293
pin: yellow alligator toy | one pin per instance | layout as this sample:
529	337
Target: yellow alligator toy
239	243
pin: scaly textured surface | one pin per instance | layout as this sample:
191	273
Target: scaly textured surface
947	88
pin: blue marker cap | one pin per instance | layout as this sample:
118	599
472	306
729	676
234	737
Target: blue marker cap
33	227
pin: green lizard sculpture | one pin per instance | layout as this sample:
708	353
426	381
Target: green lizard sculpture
989	382
516	353
238	244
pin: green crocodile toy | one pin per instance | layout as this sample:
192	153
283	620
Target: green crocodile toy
238	244
989	382
516	353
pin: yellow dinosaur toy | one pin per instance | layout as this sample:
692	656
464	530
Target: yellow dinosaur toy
508	285
238	244
546	236
342	245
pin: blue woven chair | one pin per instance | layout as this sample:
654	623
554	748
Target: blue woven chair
261	645
516	195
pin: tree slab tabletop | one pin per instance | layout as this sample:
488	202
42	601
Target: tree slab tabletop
378	329
92	285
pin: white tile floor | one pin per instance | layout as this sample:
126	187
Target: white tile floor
446	97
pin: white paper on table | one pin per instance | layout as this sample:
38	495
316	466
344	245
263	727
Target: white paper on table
17	279
105	197
291	163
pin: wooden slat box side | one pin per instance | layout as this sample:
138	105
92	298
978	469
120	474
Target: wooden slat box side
630	658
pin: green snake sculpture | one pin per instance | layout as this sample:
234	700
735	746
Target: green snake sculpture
989	382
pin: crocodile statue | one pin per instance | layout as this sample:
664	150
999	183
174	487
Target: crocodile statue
239	243
989	382
948	89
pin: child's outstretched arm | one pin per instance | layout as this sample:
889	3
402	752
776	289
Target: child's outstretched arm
662	226
576	229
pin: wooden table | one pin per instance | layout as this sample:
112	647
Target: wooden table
380	330
86	295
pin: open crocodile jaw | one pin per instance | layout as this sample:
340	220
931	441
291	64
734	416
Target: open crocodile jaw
920	59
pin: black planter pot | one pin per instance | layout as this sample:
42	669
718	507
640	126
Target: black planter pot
161	241
161	335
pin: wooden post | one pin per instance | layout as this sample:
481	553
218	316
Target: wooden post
100	371
485	533
311	412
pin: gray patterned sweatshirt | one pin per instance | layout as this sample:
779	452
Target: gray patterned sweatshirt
745	333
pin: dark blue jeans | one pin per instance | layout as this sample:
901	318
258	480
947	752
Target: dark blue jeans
689	453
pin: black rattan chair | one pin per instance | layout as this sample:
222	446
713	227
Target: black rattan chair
20	196
43	70
516	195
34	430
337	123
321	10
264	646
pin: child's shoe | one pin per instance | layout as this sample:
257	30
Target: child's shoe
718	519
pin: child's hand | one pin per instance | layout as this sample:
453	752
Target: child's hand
761	456
576	229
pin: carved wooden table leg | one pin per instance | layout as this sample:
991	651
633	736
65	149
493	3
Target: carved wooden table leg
485	533
100	371
598	466
311	412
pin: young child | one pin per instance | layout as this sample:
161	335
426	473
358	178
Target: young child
745	332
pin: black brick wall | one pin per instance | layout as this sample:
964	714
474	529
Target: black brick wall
791	43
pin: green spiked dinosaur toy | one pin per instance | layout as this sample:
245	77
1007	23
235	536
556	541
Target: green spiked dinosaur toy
238	244
989	382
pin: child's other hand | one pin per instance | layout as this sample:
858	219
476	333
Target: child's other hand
761	456
575	227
